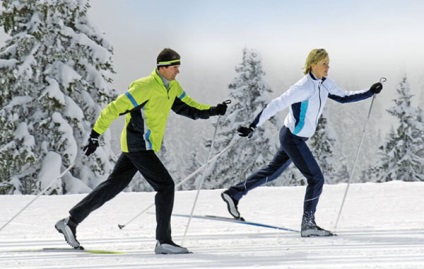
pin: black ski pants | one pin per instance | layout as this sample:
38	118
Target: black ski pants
152	169
293	149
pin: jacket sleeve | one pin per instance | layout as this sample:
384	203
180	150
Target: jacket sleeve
342	96
121	105
190	108
295	94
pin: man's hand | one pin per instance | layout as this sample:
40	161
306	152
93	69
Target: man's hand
93	143
220	108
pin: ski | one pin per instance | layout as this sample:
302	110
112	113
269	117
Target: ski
52	249
227	219
92	251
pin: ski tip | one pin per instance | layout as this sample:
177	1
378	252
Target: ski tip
121	226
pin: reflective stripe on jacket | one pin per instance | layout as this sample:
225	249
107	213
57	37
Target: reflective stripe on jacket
147	104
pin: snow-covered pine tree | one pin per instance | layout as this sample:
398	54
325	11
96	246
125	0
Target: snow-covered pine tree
249	93
402	153
342	174
169	160
419	141
193	164
55	69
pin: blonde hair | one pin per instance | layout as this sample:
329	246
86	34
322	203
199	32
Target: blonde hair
314	57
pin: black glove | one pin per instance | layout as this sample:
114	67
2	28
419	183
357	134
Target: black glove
219	109
93	143
376	87
246	131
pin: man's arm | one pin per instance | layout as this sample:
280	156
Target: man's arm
192	112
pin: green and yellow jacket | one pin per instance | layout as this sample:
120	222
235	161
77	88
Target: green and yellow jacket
146	106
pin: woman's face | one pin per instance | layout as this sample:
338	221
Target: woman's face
321	68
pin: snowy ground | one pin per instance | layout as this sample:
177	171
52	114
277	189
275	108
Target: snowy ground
382	226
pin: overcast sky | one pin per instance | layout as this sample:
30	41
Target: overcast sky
365	39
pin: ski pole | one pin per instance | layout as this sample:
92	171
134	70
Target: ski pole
199	186
382	80
207	163
121	226
41	193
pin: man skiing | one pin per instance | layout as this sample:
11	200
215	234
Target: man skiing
146	106
306	100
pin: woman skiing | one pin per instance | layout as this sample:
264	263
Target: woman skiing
306	101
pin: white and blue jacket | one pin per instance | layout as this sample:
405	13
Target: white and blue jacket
306	100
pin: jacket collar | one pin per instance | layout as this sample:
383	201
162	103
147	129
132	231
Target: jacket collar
165	82
314	78
160	80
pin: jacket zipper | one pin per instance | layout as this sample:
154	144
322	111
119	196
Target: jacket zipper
319	108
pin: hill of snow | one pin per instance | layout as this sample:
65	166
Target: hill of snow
381	226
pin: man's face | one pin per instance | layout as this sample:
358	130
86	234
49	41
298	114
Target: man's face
170	72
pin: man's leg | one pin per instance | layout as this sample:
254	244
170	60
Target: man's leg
158	177
121	175
152	169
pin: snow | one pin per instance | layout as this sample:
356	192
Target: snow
381	226
67	136
23	133
72	110
50	170
19	101
100	53
67	74
8	62
25	69
53	91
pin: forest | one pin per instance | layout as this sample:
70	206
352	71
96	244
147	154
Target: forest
56	76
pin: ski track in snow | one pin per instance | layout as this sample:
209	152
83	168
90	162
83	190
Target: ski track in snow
381	227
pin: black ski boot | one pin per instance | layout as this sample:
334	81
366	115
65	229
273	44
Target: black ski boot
309	228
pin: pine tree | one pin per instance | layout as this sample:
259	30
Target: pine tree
249	93
342	174
402	155
169	161
193	164
56	67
